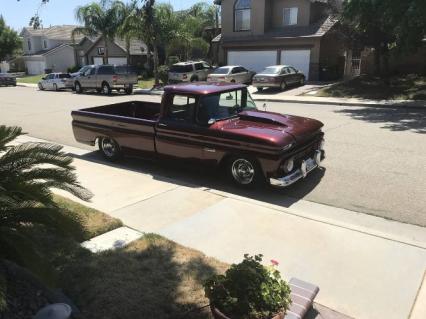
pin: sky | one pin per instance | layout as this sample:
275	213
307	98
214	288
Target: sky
18	14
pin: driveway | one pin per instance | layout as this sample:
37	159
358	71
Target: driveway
375	156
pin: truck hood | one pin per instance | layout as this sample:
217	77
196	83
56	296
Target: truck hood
271	128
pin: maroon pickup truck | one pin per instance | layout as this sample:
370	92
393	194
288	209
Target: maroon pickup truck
214	123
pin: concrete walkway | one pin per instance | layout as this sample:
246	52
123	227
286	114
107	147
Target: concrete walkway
367	267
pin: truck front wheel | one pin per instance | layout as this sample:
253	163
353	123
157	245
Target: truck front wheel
129	89
78	88
109	148
106	88
244	171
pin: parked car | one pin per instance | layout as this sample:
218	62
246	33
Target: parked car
233	74
7	79
211	123
189	71
54	81
105	78
69	83
278	76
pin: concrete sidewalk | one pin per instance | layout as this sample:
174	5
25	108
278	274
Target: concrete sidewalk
367	267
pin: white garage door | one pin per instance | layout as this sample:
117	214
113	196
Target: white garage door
98	60
252	60
35	67
117	61
298	59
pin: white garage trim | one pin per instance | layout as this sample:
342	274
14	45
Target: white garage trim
253	60
35	67
118	60
98	60
299	59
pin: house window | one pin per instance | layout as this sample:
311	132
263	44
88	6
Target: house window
45	44
101	51
29	45
290	16
242	15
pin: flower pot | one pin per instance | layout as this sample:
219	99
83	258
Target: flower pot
217	314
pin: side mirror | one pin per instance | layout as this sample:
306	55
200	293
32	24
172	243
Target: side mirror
211	122
43	78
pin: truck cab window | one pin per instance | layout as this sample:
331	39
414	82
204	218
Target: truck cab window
182	108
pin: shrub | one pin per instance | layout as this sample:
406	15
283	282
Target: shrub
249	290
73	69
163	73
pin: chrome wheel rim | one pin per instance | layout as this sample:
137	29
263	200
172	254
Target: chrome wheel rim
109	147
242	171
283	86
77	87
105	89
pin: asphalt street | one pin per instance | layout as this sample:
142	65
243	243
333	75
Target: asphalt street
375	156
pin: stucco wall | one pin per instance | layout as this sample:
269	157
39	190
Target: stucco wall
60	60
113	51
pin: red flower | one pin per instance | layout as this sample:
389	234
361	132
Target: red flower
274	262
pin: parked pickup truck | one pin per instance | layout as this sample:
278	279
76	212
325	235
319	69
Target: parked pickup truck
105	78
211	123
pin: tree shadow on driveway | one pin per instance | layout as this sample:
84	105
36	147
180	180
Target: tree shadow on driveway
394	119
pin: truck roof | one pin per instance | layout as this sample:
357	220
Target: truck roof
200	88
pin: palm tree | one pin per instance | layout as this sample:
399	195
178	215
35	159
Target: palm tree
101	19
128	30
28	172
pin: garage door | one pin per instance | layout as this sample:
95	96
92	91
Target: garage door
298	59
98	60
117	61
35	67
252	60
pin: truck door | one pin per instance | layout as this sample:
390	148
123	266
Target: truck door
177	135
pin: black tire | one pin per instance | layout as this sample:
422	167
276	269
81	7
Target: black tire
232	81
259	89
302	81
109	148
194	79
78	88
106	89
244	171
129	90
283	86
40	87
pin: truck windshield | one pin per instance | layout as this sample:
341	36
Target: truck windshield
224	105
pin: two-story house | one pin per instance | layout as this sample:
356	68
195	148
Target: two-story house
48	48
260	33
55	49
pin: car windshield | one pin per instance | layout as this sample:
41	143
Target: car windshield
221	71
223	106
181	68
271	70
84	69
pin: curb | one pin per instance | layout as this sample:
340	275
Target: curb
28	85
406	105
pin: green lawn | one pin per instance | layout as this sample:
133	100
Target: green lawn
151	278
34	79
146	84
411	87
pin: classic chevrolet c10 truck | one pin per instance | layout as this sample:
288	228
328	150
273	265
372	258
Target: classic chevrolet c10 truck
210	123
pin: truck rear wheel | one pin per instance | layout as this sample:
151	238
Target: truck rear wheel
129	90
244	171
109	148
106	88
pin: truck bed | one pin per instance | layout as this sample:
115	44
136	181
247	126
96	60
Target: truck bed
131	124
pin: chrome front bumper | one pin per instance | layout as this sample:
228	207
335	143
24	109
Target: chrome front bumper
306	167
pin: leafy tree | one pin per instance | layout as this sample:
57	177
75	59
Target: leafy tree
126	30
9	40
27	173
386	25
101	19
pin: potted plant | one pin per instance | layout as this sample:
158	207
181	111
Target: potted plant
248	290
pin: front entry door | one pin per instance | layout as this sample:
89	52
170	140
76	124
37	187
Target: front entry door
177	134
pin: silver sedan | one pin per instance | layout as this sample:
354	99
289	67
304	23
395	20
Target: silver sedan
54	81
231	73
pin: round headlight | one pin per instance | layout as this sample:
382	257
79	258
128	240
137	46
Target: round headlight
288	165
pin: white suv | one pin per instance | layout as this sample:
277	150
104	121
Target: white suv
189	71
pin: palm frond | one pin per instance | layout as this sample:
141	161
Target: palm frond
8	134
